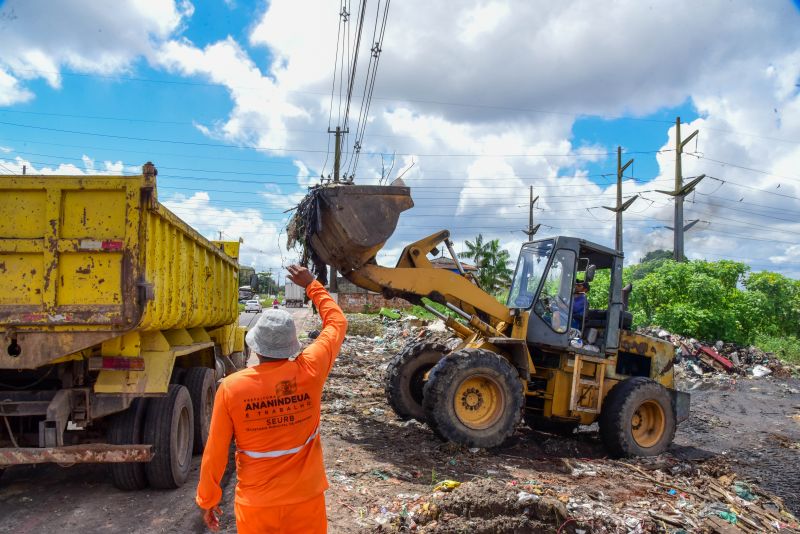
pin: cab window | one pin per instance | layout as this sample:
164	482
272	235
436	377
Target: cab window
555	299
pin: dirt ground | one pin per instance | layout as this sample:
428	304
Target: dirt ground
737	454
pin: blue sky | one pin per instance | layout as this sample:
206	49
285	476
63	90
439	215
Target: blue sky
212	83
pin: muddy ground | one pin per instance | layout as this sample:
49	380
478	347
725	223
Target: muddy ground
383	471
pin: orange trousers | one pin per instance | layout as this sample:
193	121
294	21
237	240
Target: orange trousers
308	517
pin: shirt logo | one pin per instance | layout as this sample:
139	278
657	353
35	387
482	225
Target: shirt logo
285	388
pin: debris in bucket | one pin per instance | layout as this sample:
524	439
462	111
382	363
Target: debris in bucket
306	221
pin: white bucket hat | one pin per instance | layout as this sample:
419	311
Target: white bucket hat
274	336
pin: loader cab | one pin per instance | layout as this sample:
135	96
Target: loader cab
544	286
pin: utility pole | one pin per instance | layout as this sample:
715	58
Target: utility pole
337	161
531	229
621	206
337	151
680	192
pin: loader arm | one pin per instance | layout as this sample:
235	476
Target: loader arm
415	277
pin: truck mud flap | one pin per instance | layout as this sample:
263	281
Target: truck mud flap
76	454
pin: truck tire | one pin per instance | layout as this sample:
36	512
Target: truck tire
169	428
637	418
178	374
126	428
405	378
473	397
202	388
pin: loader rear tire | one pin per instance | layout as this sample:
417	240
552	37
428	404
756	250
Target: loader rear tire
202	388
637	418
126	428
473	397
169	428
406	376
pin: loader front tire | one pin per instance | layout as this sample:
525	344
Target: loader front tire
169	428
126	428
473	397
406	376
637	418
202	388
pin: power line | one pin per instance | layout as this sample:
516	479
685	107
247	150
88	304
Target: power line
737	166
295	174
287	149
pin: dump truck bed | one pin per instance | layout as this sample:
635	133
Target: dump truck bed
84	259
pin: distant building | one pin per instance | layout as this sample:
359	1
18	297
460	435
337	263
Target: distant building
447	263
354	299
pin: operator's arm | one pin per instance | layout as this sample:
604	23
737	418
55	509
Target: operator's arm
334	327
215	456
321	354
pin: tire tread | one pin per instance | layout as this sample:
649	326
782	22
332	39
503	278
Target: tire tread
158	433
613	422
126	428
444	374
393	385
197	380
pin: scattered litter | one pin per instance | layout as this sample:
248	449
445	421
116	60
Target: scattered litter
759	371
446	485
390	314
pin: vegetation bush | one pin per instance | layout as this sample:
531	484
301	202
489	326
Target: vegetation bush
711	300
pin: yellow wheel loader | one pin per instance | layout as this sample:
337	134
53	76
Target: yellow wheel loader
531	357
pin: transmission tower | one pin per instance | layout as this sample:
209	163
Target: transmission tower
680	192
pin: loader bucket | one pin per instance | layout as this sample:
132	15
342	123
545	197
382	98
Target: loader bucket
355	221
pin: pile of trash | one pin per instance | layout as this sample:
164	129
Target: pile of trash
719	361
658	495
391	475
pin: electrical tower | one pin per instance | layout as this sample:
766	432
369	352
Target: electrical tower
621	206
531	229
680	193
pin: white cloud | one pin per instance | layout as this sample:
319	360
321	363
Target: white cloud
481	20
11	91
19	164
261	107
41	37
264	242
504	78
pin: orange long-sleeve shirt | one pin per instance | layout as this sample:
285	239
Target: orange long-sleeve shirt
274	406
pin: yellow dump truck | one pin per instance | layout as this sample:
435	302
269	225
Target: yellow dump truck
117	319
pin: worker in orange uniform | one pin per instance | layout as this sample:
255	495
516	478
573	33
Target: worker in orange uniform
273	412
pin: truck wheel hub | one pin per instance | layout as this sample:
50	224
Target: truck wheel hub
648	424
478	402
472	399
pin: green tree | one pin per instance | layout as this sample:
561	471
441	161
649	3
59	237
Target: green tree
266	284
475	250
245	274
492	261
653	255
776	301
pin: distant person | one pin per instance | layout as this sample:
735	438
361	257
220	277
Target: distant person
272	410
276	303
579	303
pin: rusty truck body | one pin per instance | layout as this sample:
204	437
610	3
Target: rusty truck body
113	312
